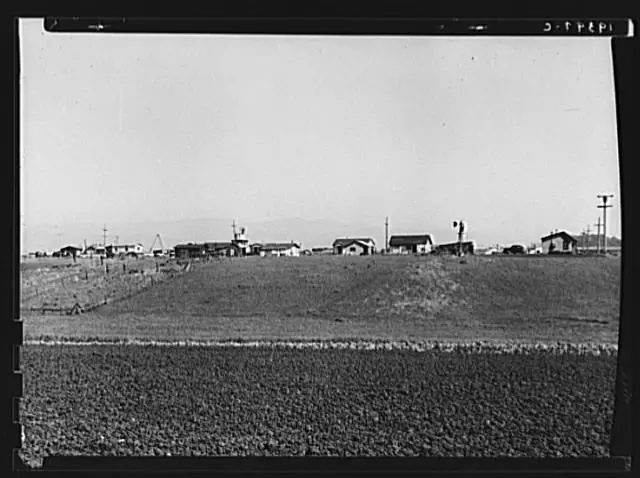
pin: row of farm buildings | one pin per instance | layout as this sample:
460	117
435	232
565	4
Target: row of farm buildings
557	242
356	246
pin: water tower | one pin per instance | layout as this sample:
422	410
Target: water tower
240	241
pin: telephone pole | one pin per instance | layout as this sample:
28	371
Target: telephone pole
604	207
233	226
588	236
598	225
104	236
386	234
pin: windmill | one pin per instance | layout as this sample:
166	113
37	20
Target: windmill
157	252
460	225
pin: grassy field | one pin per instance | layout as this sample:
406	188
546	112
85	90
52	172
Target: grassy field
532	298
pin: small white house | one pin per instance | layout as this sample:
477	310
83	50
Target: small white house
559	243
411	244
354	247
117	249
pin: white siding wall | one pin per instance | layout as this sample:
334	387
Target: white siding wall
353	250
422	248
291	252
398	250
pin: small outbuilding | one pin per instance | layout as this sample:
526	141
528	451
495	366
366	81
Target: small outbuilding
559	243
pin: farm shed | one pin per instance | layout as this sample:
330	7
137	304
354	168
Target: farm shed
559	243
468	247
411	244
280	249
186	251
354	247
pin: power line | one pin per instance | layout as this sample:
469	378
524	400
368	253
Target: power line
598	226
604	207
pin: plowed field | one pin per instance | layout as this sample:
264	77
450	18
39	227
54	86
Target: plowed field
136	400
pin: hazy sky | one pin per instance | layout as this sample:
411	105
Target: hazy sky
516	136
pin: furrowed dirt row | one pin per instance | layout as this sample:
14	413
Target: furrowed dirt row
147	400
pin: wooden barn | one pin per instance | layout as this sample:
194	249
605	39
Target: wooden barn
354	247
411	244
559	243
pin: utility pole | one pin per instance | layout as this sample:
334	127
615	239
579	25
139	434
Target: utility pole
60	238
104	236
233	226
598	225
386	234
604	207
117	240
588	236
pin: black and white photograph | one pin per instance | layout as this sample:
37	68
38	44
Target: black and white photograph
276	245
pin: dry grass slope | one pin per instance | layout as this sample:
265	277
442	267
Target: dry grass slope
515	298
